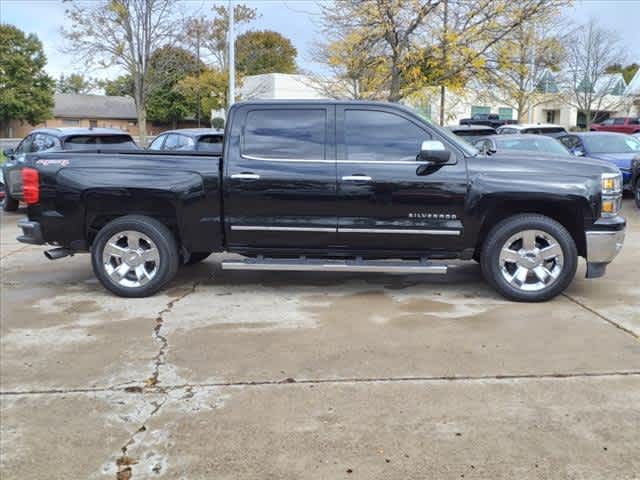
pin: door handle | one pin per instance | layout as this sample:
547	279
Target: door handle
245	176
357	178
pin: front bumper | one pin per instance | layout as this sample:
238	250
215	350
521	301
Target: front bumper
602	247
31	233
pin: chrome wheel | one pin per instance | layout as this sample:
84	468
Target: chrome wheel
130	259
531	260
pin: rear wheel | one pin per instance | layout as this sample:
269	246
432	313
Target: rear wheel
134	256
529	258
9	204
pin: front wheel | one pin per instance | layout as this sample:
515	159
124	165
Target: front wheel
529	258
134	256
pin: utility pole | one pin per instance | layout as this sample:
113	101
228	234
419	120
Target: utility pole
198	31
443	88
231	54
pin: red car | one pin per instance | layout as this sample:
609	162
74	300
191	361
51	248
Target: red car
628	125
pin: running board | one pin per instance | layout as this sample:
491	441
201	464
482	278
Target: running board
304	264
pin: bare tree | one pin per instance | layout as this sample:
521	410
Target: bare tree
590	50
123	33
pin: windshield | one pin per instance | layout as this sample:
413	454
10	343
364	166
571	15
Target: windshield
538	144
467	148
603	143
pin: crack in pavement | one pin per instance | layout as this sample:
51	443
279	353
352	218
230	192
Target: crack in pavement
124	463
337	381
14	251
159	359
601	316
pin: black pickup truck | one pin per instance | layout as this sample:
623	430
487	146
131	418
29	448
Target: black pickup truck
330	186
487	119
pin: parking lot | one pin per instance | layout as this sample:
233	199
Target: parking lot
294	375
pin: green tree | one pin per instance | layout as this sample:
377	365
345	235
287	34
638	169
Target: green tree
75	83
265	51
627	71
121	86
26	91
213	82
168	66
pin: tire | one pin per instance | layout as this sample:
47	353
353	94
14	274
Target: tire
197	257
636	193
9	204
134	256
533	275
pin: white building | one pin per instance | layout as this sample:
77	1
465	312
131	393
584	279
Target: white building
271	86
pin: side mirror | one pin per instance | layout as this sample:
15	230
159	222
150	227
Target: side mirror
8	152
433	151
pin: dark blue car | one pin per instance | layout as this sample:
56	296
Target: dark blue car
617	148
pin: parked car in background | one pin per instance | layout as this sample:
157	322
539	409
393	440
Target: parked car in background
488	119
635	179
471	132
617	148
53	140
526	142
619	124
548	129
189	140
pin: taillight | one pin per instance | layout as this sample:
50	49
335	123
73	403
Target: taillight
30	186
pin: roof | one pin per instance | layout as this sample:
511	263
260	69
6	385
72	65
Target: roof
522	126
469	127
68	105
634	85
69	131
195	132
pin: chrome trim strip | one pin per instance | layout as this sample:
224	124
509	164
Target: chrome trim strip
399	231
357	178
302	160
257	228
245	176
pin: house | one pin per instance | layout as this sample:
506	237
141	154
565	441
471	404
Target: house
75	110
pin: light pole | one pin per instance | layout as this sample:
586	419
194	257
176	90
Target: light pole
231	56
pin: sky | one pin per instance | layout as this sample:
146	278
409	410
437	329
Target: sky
295	19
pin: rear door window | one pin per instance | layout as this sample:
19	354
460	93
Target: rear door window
285	134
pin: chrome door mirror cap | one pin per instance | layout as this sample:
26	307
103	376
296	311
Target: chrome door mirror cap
433	151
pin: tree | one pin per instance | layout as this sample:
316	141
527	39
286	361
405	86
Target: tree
627	72
265	51
168	66
75	83
121	86
590	50
519	67
213	82
123	33
26	91
410	42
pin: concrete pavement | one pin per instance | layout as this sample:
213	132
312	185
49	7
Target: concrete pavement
281	375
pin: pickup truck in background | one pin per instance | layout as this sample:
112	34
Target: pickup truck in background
488	119
328	186
628	125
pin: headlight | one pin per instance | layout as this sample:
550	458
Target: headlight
611	183
611	194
